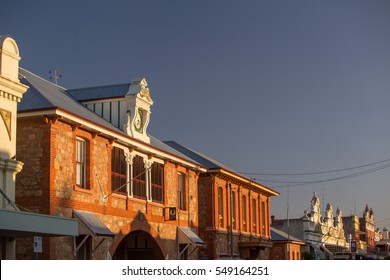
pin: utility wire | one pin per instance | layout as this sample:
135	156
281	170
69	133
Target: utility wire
314	173
384	220
302	183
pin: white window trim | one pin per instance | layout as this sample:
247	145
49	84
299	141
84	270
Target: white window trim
81	182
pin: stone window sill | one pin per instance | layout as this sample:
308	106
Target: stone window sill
79	189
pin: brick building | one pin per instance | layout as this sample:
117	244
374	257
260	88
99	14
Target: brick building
285	246
367	228
355	236
233	209
383	244
324	235
88	155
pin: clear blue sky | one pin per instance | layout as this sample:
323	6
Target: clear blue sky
261	86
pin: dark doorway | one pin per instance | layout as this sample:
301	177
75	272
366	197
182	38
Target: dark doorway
138	245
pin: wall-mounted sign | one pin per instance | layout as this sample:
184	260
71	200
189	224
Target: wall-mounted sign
37	244
353	246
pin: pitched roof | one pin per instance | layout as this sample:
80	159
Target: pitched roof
43	95
100	92
278	235
161	145
196	156
212	164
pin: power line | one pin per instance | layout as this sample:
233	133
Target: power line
316	172
384	220
302	183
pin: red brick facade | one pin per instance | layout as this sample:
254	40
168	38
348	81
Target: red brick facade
47	185
285	251
250	219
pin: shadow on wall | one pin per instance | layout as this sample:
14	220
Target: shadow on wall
138	241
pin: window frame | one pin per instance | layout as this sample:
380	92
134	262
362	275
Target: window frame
157	182
234	210
244	214
118	171
255	222
81	163
221	212
139	177
181	191
263	217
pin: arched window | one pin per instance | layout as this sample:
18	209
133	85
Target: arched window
220	208
263	218
234	217
244	214
254	216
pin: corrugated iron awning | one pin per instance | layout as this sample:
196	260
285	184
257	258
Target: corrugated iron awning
186	236
89	223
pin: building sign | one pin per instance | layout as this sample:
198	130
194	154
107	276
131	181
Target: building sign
353	246
172	213
37	244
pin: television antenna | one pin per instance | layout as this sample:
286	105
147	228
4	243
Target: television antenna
55	75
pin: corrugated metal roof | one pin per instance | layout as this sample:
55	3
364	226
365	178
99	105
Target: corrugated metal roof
196	156
92	223
43	94
100	92
186	235
161	145
33	98
210	163
278	235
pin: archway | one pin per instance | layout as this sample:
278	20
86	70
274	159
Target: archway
138	245
138	241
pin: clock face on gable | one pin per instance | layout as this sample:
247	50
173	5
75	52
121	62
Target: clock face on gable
139	121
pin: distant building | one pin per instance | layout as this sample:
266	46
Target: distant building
354	236
367	227
285	246
385	234
234	211
383	245
324	235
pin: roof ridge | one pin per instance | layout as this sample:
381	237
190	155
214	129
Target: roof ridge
94	87
35	91
39	77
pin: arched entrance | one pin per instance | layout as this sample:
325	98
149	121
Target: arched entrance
138	245
138	241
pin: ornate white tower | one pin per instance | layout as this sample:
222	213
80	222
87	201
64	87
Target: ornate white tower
11	91
138	103
315	213
338	220
329	215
